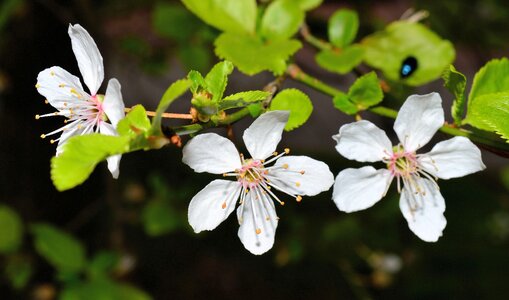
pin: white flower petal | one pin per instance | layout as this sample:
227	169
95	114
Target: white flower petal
453	158
303	175
424	214
211	153
114	160
213	204
262	137
75	128
60	87
257	227
363	141
418	120
358	189
113	104
88	56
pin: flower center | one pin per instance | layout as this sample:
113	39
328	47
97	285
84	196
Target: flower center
402	163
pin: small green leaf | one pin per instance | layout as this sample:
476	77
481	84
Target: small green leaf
281	20
197	81
238	16
490	112
135	122
307	4
242	99
255	110
18	271
160	218
60	249
341	62
11	230
217	79
343	26
80	156
104	290
456	82
297	103
366	91
342	102
490	79
101	264
388	49
175	90
251	56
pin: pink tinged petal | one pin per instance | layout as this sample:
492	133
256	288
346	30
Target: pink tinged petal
60	88
114	160
262	137
453	158
363	141
213	204
301	175
88	56
258	222
113	105
358	189
418	120
211	153
424	213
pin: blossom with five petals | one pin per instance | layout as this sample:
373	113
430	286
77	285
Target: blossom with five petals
85	113
420	202
255	180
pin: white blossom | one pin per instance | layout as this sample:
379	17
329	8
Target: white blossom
421	203
256	180
85	113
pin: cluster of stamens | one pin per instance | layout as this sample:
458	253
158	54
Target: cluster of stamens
259	179
82	111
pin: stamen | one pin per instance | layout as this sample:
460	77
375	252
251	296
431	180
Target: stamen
299	198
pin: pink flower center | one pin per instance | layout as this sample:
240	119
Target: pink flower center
402	163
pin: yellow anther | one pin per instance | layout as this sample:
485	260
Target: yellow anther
52	141
37	86
61	85
285	166
302	172
65	103
43	136
282	203
224	205
258	231
56	113
267	218
297	184
299	198
37	117
274	153
46	101
224	174
52	73
287	150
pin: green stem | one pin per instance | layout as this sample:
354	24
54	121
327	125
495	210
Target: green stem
316	42
296	73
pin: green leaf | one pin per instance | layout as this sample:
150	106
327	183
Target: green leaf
167	20
80	156
217	79
386	50
255	110
251	56
456	82
175	90
297	103
490	79
366	91
135	122
341	62
490	112
18	271
11	230
101	264
197	81
307	4
238	16
242	99
342	102
281	20
60	249
343	26
103	290
160	218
